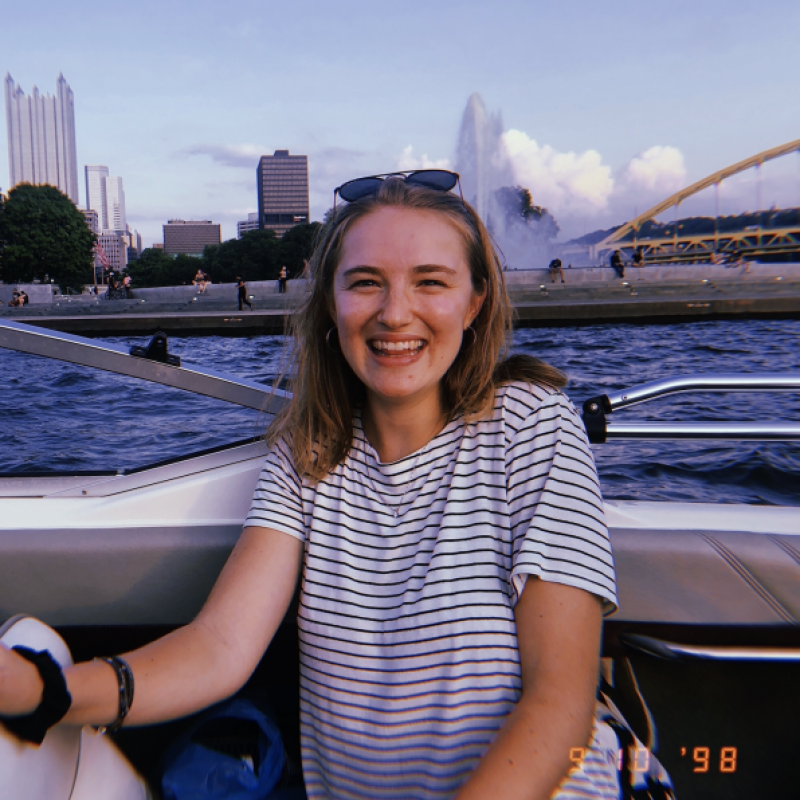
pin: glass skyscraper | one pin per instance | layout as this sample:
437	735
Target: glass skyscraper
41	137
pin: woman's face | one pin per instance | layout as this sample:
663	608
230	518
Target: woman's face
402	299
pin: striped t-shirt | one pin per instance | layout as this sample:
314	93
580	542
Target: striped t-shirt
408	650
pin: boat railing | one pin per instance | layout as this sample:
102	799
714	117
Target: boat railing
600	429
151	363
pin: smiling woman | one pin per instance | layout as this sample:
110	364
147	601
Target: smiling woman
456	560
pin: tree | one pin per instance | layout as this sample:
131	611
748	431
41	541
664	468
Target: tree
253	257
259	255
153	268
296	246
518	209
42	233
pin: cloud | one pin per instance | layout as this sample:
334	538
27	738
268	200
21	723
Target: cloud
658	169
409	161
229	155
563	182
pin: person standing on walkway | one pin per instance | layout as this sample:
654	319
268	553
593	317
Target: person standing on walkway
242	287
283	277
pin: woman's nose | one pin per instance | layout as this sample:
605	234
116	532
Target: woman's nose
395	311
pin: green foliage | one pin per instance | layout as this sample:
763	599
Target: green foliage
257	256
153	268
42	233
518	209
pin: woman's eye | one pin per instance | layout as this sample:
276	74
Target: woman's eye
363	282
432	282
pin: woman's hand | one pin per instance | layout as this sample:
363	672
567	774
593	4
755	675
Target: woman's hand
20	685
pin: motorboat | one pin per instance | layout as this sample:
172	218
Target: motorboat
703	655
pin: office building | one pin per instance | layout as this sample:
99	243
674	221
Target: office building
105	195
91	219
115	247
115	205
135	240
41	137
96	193
282	182
190	236
250	224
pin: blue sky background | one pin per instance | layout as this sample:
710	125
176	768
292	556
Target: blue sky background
613	104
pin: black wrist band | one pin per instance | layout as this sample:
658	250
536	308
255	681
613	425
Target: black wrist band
124	692
56	700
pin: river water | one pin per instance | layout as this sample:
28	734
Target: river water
57	417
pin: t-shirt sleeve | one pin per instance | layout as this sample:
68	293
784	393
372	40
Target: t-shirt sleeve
558	524
278	499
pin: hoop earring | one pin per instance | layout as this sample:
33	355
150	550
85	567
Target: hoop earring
328	341
474	335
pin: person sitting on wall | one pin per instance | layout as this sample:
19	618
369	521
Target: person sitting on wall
638	258
23	296
199	281
555	269
617	263
16	299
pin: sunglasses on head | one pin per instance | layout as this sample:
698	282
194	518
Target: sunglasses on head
441	180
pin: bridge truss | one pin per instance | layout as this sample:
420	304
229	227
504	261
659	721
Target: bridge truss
749	242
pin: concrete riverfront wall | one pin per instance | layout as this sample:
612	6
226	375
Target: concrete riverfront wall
258	290
515	279
38	293
667	273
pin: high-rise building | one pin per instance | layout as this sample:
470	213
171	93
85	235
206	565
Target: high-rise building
115	204
41	137
250	224
96	193
282	182
190	236
91	219
105	195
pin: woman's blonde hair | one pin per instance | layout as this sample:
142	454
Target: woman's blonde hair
326	392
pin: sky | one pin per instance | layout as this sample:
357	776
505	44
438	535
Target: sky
607	108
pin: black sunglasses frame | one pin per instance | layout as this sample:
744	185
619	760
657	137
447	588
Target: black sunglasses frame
406	175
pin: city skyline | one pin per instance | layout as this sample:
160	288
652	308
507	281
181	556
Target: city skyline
605	112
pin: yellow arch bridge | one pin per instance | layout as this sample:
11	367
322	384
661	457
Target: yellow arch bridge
773	234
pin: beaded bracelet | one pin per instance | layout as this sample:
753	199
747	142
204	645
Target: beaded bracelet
55	703
124	692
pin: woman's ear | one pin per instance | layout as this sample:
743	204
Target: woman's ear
475	305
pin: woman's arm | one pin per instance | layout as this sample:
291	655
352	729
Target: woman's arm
193	667
558	629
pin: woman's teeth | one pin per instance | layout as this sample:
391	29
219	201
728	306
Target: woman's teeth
410	346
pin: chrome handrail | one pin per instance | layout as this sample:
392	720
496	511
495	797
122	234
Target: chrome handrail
729	431
600	428
722	382
117	359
